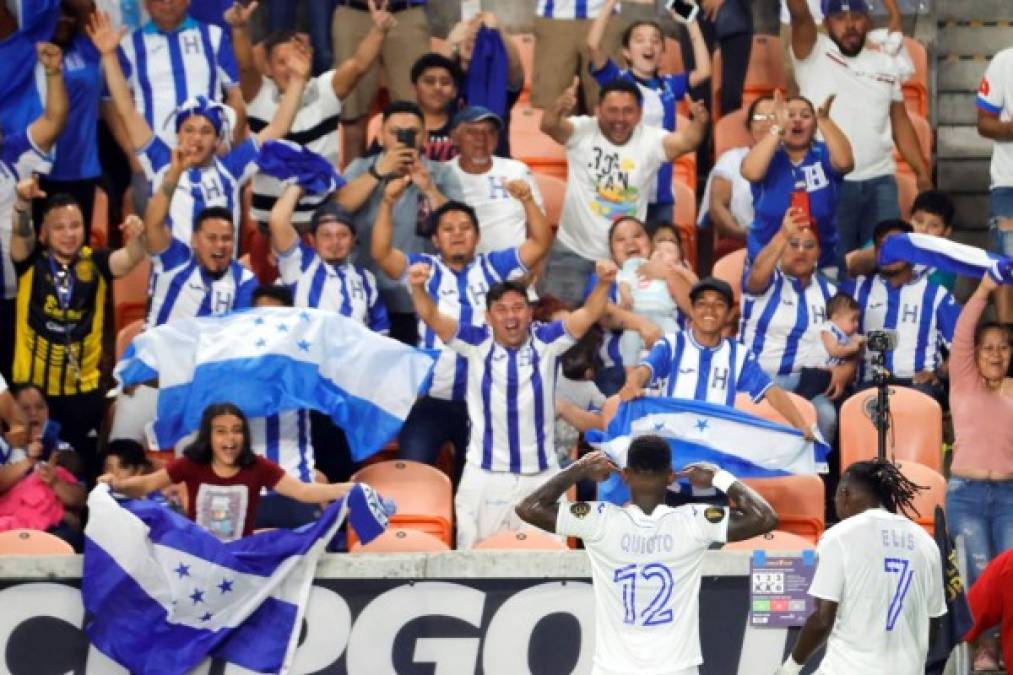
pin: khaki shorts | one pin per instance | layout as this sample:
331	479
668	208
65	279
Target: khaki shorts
560	53
404	44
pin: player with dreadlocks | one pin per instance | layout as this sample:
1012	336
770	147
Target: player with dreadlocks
878	581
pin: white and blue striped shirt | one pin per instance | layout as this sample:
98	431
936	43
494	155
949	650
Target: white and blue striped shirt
511	397
781	324
181	288
569	9
217	184
923	314
344	288
285	440
461	296
19	158
683	368
165	69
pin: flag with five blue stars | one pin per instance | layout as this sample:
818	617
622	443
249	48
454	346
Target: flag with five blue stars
162	594
271	359
697	431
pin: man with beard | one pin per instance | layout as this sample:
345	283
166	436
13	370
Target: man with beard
613	164
870	110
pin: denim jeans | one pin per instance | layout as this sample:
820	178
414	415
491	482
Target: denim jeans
863	204
282	16
431	423
982	512
826	411
1001	208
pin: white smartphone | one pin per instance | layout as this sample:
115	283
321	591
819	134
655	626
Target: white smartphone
687	11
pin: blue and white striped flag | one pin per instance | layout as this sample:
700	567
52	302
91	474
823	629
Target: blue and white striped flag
268	360
697	431
941	253
162	594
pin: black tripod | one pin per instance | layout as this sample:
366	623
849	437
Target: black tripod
880	413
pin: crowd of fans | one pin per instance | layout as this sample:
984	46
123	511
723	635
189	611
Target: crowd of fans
436	237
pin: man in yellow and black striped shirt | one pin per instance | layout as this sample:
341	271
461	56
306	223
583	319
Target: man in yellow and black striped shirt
62	289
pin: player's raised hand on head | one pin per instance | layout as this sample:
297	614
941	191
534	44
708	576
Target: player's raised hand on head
418	275
699	474
596	465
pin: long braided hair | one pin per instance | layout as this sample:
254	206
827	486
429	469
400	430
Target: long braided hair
885	481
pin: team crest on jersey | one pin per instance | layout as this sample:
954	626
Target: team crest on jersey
580	509
84	271
713	514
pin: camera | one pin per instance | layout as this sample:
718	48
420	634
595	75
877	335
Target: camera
881	340
405	137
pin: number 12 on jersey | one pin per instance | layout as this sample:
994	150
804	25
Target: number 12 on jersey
658	610
902	568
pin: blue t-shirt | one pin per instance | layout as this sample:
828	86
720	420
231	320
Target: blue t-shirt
77	146
662	94
772	197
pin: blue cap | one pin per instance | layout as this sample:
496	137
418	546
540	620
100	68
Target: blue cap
476	113
831	7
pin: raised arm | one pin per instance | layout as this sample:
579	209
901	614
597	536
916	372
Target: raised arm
841	156
157	236
45	129
250	79
782	403
554	118
701	55
106	41
687	140
444	327
23	234
392	261
991	125
347	75
762	269
597	33
579	321
541	507
963	370
311	493
906	138
124	259
536	246
803	29
300	65
283	235
137	487
752	515
757	160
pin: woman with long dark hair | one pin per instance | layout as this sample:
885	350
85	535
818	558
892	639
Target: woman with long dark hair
223	476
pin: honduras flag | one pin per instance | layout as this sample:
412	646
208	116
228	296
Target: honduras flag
162	594
945	255
268	360
697	431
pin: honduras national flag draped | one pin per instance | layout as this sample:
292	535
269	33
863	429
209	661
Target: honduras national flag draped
162	594
745	445
268	360
946	255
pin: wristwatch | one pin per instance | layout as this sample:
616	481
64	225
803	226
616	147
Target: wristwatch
376	174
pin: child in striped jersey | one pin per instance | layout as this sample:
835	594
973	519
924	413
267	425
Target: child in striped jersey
839	342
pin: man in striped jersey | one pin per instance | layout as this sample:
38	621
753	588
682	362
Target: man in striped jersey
320	275
200	125
922	313
512	366
783	306
199	279
459	280
23	153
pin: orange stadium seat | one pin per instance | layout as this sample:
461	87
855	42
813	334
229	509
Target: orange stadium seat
684	166
527	539
671	60
776	540
126	334
730	268
798	501
688	236
422	494
100	220
764	74
373	128
926	501
916	89
924	132
907	191
553	192
731	132
915	433
685	204
531	146
33	542
397	540
130	295
766	411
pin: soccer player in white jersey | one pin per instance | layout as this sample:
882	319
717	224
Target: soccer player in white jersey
197	278
320	274
878	581
459	279
646	556
201	126
922	313
512	369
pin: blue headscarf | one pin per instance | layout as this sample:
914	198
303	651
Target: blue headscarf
214	112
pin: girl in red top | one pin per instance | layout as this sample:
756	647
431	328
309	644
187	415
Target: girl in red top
223	477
